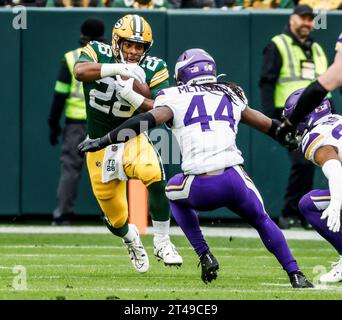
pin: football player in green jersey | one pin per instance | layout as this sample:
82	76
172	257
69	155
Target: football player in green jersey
100	68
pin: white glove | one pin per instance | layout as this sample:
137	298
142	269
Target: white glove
130	70
334	220
124	89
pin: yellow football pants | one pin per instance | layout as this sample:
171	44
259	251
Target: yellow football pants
140	161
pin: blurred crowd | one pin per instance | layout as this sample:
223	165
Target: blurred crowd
175	4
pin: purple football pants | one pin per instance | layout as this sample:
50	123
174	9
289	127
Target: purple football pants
311	206
234	190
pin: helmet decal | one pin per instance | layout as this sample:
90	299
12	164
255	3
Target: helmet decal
195	66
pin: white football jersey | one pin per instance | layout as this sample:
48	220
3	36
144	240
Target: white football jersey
327	133
205	125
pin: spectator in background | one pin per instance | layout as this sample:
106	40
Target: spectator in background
323	4
29	3
196	4
69	96
5	3
291	61
141	4
76	3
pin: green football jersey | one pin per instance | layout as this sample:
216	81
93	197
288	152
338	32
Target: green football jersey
106	110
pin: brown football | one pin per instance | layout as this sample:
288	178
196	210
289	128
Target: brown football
141	88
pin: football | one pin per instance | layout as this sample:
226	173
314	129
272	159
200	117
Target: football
141	88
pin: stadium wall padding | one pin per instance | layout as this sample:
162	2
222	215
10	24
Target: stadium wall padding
30	62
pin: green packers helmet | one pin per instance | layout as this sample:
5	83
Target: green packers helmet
132	28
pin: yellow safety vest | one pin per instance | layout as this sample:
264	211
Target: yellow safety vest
290	73
75	106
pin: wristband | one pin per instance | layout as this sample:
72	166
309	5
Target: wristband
135	99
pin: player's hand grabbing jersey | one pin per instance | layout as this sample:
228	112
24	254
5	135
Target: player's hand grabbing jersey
105	109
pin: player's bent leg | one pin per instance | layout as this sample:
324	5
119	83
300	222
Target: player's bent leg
248	204
311	206
112	199
141	161
187	219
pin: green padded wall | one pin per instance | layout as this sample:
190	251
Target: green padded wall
10	94
31	59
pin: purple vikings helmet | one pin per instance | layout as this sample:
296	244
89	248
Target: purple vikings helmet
195	66
311	119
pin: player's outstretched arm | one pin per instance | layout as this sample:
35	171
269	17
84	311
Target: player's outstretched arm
327	157
92	71
332	78
256	120
129	129
313	95
261	122
87	71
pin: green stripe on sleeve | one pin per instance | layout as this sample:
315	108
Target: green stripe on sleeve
62	87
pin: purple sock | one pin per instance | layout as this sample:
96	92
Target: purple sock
275	243
311	206
188	221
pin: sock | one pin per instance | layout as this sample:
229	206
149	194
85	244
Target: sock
188	221
161	230
275	243
158	204
130	235
120	232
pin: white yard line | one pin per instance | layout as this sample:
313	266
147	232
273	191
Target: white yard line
176	290
207	231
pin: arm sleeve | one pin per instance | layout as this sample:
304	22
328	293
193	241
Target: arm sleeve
333	171
271	65
310	99
129	129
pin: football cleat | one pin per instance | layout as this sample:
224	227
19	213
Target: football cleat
137	253
209	266
299	281
334	275
166	251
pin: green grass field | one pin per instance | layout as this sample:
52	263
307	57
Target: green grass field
97	267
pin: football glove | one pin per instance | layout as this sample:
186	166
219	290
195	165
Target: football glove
89	145
284	129
334	219
129	70
124	89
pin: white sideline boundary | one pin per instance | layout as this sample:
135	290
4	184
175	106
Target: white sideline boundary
207	231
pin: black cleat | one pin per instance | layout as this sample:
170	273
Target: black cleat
209	266
299	281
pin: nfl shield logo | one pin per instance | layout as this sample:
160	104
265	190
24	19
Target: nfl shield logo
114	148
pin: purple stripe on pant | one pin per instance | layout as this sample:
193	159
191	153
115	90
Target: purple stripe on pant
313	215
229	190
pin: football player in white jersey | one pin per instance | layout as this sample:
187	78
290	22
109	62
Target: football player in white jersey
321	134
204	116
314	93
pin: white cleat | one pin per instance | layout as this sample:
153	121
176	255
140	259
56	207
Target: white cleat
137	253
166	251
334	275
